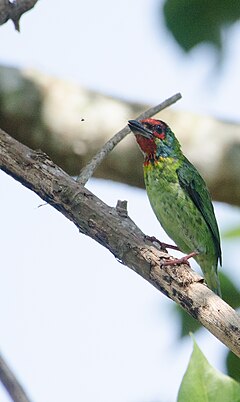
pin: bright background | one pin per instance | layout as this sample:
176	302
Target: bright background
75	324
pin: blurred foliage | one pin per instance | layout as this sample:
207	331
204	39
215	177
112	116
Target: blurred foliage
196	21
230	293
232	233
233	366
203	383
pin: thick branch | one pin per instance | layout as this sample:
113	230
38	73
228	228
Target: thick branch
120	236
11	384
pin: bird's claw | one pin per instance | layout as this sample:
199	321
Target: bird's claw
182	260
163	246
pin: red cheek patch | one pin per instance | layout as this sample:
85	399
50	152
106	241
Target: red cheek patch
147	146
161	136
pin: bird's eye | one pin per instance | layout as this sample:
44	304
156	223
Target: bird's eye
158	131
158	128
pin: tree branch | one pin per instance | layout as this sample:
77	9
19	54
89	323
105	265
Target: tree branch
119	234
11	383
71	143
89	169
14	10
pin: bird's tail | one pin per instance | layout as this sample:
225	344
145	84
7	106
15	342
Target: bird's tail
212	280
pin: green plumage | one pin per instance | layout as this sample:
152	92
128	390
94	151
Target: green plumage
179	197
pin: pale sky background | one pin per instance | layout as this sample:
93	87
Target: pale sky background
75	324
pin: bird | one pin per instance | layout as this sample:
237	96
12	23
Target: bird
179	197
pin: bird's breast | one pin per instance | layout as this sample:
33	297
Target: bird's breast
163	169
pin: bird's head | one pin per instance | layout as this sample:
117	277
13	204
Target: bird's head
154	137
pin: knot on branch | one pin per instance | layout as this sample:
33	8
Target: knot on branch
121	208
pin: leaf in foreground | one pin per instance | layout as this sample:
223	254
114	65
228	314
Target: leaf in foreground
203	383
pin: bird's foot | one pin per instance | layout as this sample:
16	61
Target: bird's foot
163	246
178	261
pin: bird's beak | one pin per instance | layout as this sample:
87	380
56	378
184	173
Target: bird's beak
138	128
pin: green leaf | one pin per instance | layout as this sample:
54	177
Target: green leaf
203	383
195	21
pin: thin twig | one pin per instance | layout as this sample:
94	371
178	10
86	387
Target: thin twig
89	169
11	384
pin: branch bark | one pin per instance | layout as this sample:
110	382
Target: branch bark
119	234
14	10
10	382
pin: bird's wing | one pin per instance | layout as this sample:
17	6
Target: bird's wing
193	184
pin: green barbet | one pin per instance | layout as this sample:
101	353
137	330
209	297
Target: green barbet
179	197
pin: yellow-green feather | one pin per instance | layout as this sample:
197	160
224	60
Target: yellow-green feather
179	213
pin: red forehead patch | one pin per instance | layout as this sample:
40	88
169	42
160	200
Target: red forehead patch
152	122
